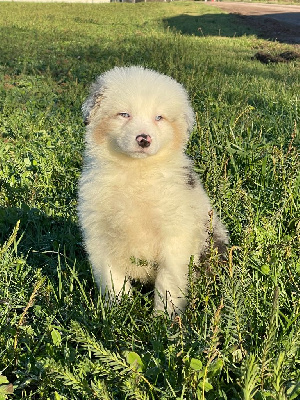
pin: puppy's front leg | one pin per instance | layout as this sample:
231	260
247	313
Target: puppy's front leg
172	278
171	289
110	280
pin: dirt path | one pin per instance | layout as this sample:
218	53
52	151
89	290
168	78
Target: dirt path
272	21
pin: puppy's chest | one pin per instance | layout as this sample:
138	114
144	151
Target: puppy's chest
135	204
143	203
139	214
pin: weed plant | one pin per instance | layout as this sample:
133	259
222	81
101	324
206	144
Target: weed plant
240	337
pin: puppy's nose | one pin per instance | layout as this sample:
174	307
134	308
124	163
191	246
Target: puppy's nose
143	140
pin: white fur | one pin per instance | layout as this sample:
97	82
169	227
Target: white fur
136	203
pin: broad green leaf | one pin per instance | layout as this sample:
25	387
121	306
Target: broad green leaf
265	269
207	385
215	367
134	360
56	337
196	364
3	379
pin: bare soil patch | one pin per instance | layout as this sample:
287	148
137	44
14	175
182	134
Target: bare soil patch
272	21
268	58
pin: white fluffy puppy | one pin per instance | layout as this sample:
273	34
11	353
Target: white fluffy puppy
142	209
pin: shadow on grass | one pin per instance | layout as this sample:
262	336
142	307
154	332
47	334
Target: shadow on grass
268	26
43	239
226	25
235	25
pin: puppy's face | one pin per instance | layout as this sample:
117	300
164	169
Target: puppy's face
137	130
138	112
141	135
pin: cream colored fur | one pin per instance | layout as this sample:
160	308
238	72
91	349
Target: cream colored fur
142	203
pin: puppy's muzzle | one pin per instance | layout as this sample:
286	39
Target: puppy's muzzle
143	140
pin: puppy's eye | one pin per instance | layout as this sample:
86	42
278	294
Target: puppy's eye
158	118
124	114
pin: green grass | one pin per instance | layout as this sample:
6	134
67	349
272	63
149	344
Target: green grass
240	337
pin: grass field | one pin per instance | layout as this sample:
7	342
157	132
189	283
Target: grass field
240	336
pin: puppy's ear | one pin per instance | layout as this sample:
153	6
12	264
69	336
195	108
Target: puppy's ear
93	101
